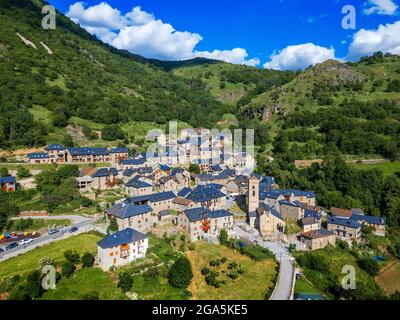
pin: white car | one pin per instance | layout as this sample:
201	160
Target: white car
25	241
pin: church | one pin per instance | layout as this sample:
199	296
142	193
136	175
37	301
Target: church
262	216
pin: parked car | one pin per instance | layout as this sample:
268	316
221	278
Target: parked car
25	241
11	245
73	229
53	231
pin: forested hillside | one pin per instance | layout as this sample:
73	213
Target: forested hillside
84	78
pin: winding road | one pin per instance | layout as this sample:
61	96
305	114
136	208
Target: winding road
284	286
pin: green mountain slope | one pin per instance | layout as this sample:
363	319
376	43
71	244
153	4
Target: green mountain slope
231	84
352	109
84	78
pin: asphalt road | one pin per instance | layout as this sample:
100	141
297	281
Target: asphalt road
283	289
79	221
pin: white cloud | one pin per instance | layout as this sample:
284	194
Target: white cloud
156	39
141	33
299	57
386	39
237	56
382	7
98	16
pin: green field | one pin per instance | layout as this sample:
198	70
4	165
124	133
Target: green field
253	284
302	286
55	251
388	168
83	282
41	114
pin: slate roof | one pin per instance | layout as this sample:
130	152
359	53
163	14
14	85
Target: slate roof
133	162
288	203
275	194
164	167
54	147
41	155
268	180
85	151
313	214
230	172
105	172
119	150
121	237
136	183
9	179
205	193
184	192
271	210
124	210
344	222
216	168
369	219
198	214
128	172
155	197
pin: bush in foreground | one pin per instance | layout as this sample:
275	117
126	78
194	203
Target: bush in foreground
181	273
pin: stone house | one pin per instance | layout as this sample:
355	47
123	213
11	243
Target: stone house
105	179
310	224
157	201
378	224
139	217
290	211
200	223
317	239
137	187
169	183
344	228
268	220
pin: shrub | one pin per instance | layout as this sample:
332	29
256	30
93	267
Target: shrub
72	257
223	237
112	132
369	265
232	265
125	282
233	275
67	269
212	279
113	226
181	273
205	271
342	244
23	172
192	247
87	260
215	263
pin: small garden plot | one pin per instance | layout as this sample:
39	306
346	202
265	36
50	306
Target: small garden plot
222	273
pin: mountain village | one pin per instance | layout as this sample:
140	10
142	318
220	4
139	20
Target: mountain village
165	197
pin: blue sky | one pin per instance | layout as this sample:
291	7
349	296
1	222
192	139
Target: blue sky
259	28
